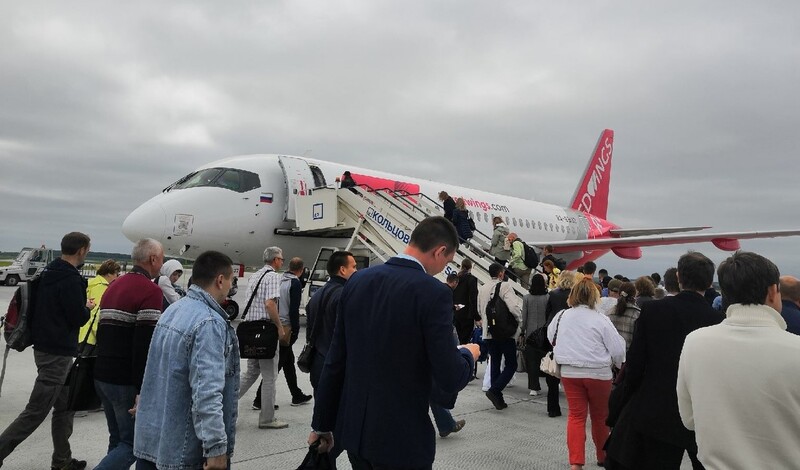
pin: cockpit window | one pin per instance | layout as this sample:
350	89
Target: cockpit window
228	178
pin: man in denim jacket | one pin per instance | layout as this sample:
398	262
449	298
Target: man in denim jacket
188	405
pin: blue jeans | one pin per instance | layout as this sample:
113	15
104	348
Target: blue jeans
142	464
499	349
444	420
117	400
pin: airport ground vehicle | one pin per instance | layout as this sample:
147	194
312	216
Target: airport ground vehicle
28	263
230	306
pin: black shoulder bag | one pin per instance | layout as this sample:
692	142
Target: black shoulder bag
82	395
305	361
258	339
501	322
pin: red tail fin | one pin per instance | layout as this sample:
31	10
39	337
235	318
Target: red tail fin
591	195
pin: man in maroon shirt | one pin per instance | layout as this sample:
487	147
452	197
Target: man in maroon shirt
129	311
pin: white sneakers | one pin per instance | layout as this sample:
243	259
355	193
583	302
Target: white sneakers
274	424
533	393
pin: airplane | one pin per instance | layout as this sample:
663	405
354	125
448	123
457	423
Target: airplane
241	205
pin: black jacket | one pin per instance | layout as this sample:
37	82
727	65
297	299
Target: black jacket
461	222
466	294
449	206
556	302
316	312
60	309
651	369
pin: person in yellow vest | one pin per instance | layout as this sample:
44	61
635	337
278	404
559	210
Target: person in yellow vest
106	274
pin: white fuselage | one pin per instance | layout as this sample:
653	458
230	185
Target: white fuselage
241	224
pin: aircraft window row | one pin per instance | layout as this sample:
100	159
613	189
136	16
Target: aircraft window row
228	178
527	223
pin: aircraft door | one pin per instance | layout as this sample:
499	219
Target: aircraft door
298	179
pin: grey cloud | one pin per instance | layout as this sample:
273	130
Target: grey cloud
104	105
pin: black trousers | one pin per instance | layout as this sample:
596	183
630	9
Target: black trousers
464	328
657	455
533	357
360	464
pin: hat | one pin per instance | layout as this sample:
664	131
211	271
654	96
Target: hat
614	285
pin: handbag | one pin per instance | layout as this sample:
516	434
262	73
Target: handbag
81	395
258	339
521	365
548	365
538	339
305	361
315	460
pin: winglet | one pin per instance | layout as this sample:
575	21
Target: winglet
591	195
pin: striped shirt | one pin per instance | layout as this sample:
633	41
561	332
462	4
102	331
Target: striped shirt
270	288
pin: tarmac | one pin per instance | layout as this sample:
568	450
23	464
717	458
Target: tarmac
521	436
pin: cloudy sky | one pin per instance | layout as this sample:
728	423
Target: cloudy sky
103	104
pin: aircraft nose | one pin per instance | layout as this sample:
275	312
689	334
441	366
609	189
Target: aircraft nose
146	221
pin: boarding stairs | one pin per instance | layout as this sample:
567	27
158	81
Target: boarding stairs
382	221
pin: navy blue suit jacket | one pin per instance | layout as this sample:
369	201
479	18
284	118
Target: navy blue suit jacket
791	314
393	337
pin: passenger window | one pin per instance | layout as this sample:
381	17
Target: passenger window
540	225
485	216
527	223
508	221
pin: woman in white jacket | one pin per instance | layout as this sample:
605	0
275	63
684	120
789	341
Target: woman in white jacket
585	344
171	271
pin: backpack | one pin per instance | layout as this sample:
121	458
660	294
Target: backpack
501	322
17	321
531	259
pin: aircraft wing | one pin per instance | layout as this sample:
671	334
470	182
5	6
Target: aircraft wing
636	232
728	241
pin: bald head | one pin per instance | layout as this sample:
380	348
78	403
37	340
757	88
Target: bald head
790	288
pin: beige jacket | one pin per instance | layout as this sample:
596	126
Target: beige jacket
486	291
739	390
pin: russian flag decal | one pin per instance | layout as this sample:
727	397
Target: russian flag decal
266	197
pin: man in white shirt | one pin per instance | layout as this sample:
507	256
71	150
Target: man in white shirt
265	307
500	348
738	386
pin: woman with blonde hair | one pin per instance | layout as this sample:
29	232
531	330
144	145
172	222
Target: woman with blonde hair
586	345
552	272
558	296
462	221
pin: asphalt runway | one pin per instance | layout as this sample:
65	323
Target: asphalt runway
519	437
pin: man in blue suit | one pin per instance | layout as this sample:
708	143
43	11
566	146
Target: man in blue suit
393	338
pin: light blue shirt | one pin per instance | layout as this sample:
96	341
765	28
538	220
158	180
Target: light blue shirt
189	399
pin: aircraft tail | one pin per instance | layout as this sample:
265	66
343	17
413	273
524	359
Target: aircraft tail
591	195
